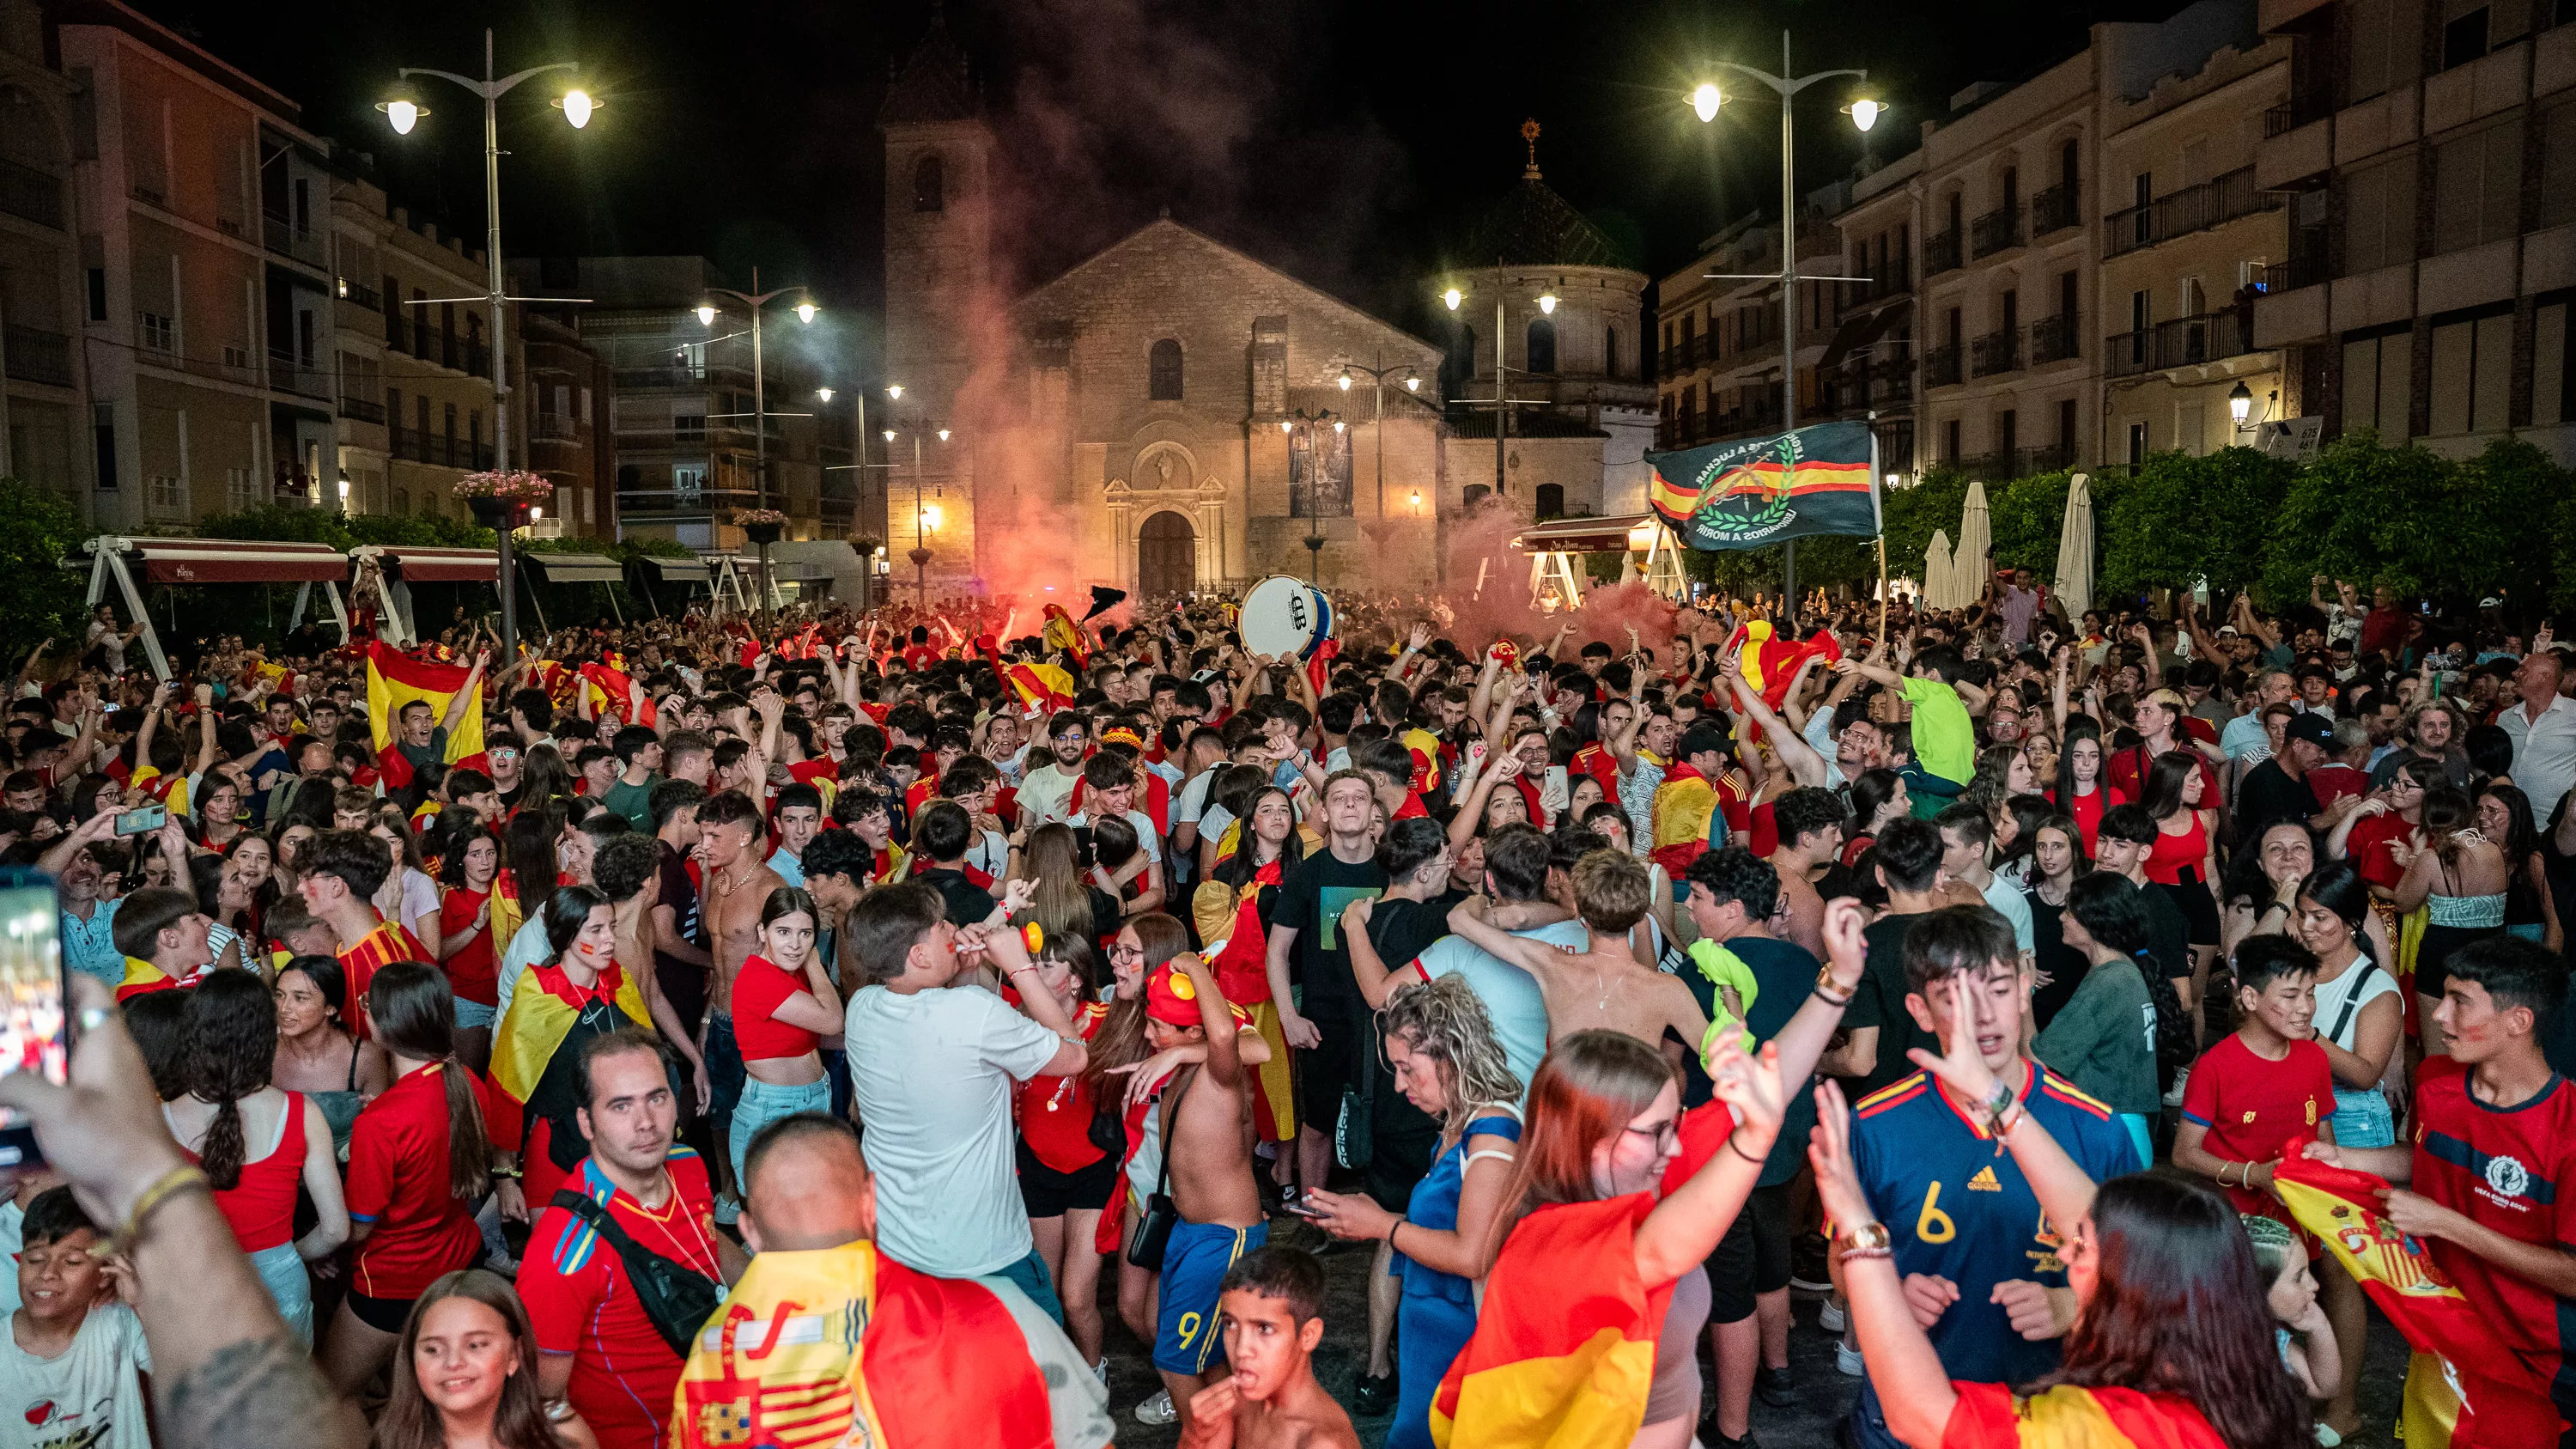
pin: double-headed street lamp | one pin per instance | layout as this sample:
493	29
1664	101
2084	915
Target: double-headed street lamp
1377	420
1503	401
1704	102
925	517
1319	470
403	112
760	413
858	505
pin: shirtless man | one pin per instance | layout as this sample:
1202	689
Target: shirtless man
1602	987
1210	1162
1272	1311
738	883
1811	837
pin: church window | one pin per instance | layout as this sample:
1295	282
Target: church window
1550	498
1610	352
1163	372
930	184
1542	345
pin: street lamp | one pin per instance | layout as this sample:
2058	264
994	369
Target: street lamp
1704	103
760	413
403	112
1503	400
2240	403
925	517
1318	474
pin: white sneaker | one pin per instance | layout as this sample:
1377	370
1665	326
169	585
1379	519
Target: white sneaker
1830	1317
1158	1411
1847	1360
1100	1370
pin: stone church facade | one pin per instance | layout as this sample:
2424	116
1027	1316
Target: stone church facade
1172	413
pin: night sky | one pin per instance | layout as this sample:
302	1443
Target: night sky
1350	143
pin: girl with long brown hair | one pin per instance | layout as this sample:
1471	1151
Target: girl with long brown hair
2459	878
467	1374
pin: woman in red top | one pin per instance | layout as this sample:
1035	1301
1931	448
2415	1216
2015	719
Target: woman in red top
256	1143
783	1005
419	1160
2183	863
1067	1177
467	874
2081	791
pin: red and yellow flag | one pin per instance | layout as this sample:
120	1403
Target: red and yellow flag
395	681
534	1021
1063	633
1564	1351
1991	1416
611	688
2467	1388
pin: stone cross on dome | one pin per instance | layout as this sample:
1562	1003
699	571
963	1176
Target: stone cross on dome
1529	133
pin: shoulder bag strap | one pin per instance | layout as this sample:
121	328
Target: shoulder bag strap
2352	998
1171	1113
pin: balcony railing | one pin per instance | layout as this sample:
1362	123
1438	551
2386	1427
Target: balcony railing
1996	352
359	294
365	410
438	449
285	374
2054	339
2182	342
38	356
1996	231
2044	458
1940	254
1894	284
287	239
2194	208
1941	366
2055	209
2293	274
31	195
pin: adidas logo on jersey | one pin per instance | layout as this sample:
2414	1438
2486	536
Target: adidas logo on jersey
1984	1181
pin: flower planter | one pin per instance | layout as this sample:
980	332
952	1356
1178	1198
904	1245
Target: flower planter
763	534
498	514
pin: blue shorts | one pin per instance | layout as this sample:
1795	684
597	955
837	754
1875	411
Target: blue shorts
1194	1263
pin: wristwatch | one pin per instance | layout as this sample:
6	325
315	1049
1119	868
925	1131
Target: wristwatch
1869	1238
1832	992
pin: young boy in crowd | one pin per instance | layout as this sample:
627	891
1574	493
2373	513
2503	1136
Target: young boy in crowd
1210	1165
75	1369
1271	1306
2266	1085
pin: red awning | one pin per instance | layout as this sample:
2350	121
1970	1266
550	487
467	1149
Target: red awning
227	561
445	565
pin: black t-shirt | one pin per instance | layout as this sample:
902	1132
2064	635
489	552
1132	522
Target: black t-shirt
2063	965
968	903
1881	1003
2168	934
1784	974
1310	903
2268	797
1399	931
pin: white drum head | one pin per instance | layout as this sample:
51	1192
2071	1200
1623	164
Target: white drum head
1278	617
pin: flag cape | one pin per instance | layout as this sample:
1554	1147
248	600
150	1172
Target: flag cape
396	680
1769	662
1758	491
1564	1351
836	1346
1991	1416
534	1022
611	688
2475	1386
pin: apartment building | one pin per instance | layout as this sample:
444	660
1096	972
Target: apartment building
2429	147
2186	260
560	393
687	451
42	400
203	216
414	396
1867	369
1724	353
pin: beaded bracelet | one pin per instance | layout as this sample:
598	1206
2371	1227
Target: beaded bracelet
170	1184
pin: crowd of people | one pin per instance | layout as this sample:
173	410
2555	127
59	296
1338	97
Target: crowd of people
817	1028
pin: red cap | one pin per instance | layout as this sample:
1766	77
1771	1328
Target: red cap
1171	997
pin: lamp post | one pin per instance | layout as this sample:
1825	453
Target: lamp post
1318	474
1503	400
1704	103
760	413
858	505
925	519
402	113
1377	419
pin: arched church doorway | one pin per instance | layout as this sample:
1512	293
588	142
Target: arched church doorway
1166	555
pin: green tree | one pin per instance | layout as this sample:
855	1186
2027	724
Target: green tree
2025	516
2497	545
1912	515
2366	514
38	531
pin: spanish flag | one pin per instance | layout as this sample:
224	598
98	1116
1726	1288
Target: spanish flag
1768	662
1564	1351
394	680
1992	1416
534	1021
827	1346
2467	1388
1042	688
1062	633
610	688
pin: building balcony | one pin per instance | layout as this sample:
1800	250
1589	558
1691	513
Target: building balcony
416	446
359	294
1996	231
2045	458
2054	339
287	239
2182	342
37	356
2055	209
1879	289
359	409
286	374
1941	366
2194	208
1940	254
31	195
1996	353
2289	276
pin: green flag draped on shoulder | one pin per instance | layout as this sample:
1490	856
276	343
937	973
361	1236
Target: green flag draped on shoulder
1758	491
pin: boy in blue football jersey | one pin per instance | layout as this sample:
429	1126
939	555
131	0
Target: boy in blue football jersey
1972	1206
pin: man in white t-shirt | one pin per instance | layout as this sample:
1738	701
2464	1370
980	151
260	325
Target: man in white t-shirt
72	1366
1965	836
1109	788
1516	860
1204	756
1052	767
931	1071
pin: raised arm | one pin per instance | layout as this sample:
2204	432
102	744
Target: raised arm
1224	1058
1800	759
1462	826
470	694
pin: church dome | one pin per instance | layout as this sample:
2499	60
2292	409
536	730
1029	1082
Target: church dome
1535	227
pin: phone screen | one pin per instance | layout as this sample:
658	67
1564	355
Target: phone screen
33	1035
142	819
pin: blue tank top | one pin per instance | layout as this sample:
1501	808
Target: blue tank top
1434	1205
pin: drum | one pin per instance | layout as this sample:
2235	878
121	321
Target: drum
1323	623
1279	617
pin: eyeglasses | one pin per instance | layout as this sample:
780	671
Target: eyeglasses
1668	1135
1122	952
